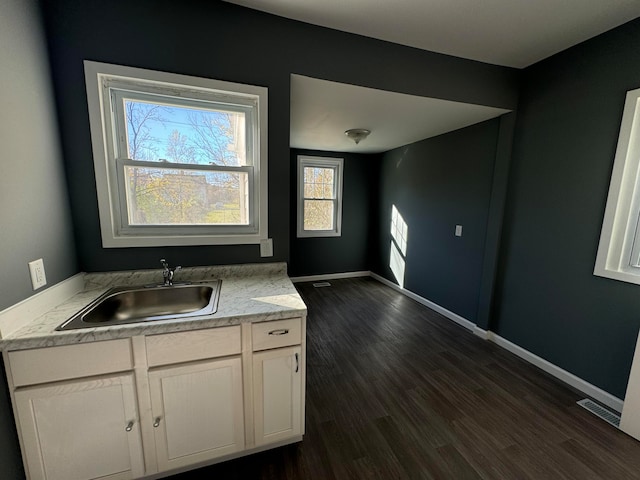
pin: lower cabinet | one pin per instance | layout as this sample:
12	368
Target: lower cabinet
277	394
197	411
141	406
81	429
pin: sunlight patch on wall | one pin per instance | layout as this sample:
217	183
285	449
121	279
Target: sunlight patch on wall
398	250
396	262
399	230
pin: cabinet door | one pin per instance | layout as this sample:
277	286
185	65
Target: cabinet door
198	411
277	394
81	429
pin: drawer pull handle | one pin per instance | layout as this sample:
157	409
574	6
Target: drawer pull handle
156	423
129	426
297	363
280	331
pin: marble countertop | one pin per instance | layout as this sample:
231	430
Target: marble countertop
249	293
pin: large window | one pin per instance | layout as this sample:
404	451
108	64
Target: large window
319	196
179	160
619	250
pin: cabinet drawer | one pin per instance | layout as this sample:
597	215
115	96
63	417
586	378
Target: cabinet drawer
279	333
42	365
181	347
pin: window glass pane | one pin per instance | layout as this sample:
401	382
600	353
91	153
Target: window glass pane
312	190
318	182
159	132
318	214
163	196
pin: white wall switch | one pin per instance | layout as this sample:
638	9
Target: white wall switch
38	278
458	230
266	248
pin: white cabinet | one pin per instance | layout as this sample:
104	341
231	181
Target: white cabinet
277	389
278	380
197	411
81	429
141	406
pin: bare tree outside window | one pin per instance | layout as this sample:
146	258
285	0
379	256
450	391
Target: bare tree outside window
188	136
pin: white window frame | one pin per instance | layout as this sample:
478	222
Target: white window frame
321	162
115	233
618	254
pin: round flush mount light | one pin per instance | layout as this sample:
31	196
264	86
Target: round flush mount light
357	134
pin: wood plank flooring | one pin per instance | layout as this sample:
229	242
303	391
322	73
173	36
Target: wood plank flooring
396	391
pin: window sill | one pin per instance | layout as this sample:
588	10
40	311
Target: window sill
617	275
140	241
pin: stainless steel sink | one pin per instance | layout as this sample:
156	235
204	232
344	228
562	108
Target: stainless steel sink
121	305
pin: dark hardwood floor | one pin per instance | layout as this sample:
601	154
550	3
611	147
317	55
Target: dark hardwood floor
395	391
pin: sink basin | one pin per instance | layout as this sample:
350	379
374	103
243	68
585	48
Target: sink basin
121	305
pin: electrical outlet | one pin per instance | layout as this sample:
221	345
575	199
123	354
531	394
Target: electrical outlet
38	278
266	248
458	230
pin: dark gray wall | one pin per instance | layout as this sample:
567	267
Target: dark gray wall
548	300
227	42
436	184
34	206
495	221
350	251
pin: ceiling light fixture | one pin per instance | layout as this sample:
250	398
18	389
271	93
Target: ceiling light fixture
357	134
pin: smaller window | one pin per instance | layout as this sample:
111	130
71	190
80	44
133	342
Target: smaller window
319	196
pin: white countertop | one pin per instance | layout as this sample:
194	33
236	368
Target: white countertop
249	293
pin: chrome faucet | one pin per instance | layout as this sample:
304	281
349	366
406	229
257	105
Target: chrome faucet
168	272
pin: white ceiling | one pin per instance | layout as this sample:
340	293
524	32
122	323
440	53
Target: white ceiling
513	33
321	111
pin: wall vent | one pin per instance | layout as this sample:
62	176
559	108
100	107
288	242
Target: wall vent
321	284
603	413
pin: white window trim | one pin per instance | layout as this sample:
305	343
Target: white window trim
338	164
108	205
622	213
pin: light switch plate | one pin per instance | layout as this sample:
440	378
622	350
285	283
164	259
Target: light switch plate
266	248
38	277
458	230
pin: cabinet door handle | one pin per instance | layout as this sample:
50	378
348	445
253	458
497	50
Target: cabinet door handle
280	331
156	422
129	426
297	363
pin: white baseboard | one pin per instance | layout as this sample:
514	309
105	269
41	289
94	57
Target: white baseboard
330	276
484	334
17	316
428	303
569	378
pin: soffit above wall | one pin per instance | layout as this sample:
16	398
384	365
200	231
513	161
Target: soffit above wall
321	111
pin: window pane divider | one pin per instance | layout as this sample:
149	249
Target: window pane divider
183	166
